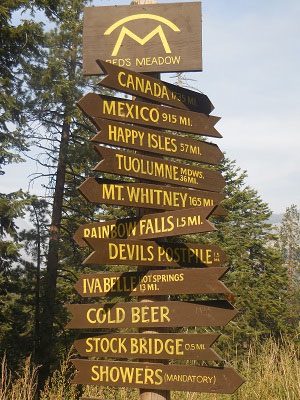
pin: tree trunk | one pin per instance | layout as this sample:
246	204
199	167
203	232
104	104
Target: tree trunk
48	304
37	290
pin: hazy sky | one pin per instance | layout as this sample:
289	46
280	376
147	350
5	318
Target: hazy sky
251	74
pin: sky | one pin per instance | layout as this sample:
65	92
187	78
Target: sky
251	73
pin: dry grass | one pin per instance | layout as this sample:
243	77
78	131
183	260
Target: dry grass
272	372
58	386
23	387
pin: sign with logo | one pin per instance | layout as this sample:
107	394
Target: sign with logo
152	283
150	314
176	346
141	85
145	195
147	37
157	376
155	169
137	137
151	254
137	112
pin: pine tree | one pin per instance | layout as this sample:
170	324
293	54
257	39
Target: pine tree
289	241
19	45
14	324
35	241
256	276
289	244
61	132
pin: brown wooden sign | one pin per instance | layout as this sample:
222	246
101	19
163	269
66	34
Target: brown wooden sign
151	226
155	169
152	283
151	254
159	376
137	112
136	84
150	37
151	314
154	346
137	137
149	196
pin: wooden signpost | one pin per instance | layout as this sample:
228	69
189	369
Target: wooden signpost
159	376
176	346
145	195
147	87
158	170
152	254
136	112
186	194
137	137
152	283
151	314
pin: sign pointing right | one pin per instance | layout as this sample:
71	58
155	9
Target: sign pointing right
154	314
145	375
137	137
153	282
151	254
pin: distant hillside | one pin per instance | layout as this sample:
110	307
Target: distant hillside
275	219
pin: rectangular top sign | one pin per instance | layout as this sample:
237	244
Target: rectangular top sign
144	38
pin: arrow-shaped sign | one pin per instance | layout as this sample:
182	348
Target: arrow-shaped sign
151	226
151	254
187	346
137	112
140	85
152	283
155	169
159	376
137	137
145	195
153	314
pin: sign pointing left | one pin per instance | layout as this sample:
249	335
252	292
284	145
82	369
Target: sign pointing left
136	84
169	223
136	112
158	170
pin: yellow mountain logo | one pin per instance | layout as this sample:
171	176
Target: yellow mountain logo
141	40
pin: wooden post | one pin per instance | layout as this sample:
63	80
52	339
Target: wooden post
146	394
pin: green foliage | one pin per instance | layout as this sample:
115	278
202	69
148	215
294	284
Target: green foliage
289	244
12	206
257	277
289	241
18	45
17	279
